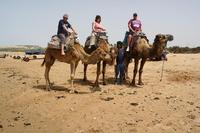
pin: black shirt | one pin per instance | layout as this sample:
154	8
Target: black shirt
60	27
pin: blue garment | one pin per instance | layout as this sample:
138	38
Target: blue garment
120	65
120	56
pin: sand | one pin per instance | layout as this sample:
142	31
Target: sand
170	106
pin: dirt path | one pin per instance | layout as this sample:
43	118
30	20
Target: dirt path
172	105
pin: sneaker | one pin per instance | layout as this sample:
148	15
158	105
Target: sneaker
127	50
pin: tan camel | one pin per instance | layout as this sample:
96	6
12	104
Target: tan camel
72	57
103	44
142	50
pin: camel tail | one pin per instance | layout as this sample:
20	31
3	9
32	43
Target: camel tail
43	63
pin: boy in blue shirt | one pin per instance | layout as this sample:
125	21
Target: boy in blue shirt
119	68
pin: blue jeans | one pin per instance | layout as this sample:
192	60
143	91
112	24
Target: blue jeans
119	73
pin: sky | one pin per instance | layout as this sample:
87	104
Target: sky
35	21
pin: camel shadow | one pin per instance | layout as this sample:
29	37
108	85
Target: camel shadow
81	82
126	82
54	87
62	88
86	83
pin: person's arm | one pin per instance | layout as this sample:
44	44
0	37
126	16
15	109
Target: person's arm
140	26
74	30
102	28
66	29
93	27
130	27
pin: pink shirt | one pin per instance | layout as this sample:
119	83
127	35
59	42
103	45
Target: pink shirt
135	24
97	27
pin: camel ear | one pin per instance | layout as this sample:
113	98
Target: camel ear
157	38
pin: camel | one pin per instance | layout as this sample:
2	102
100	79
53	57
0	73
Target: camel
103	44
72	57
142	50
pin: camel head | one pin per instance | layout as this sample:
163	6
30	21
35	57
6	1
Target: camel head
160	43
101	54
70	39
113	55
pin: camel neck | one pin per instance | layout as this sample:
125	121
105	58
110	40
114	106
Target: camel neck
153	50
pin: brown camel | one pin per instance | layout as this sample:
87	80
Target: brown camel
72	57
103	44
142	50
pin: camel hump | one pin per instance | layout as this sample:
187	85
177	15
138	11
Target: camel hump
55	42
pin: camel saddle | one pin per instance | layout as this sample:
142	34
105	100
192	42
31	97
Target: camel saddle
55	42
98	37
135	37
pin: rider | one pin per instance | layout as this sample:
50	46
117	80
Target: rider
135	27
96	28
64	28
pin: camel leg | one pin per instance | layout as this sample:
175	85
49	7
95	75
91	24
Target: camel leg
85	72
126	62
96	84
140	71
103	72
48	65
72	67
76	64
46	75
135	71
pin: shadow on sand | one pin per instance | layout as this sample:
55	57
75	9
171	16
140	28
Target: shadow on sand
79	82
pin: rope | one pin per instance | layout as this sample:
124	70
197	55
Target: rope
162	70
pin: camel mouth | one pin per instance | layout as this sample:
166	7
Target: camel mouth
108	57
170	37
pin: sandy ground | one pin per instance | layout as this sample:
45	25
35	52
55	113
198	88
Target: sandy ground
170	106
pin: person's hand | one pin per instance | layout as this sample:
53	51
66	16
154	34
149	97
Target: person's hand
133	31
75	33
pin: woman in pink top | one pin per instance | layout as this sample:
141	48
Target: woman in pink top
96	28
96	25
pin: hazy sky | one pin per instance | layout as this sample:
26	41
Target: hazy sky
35	21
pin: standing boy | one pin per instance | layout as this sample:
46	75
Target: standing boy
119	73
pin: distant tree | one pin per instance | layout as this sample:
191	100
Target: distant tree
177	49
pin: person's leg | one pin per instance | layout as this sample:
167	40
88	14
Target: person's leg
129	42
92	40
116	73
62	39
121	73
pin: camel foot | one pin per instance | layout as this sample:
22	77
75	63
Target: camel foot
51	84
127	78
73	91
85	79
133	85
140	83
104	83
95	88
48	88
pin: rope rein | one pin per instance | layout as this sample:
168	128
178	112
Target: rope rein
161	76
